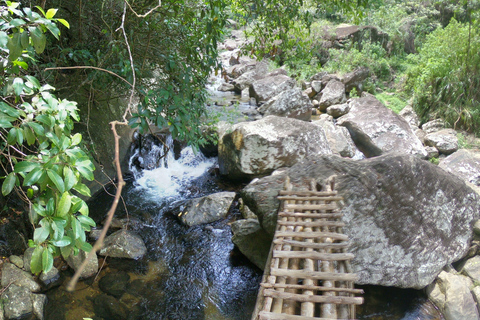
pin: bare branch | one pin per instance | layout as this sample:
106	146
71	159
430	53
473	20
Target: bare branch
146	14
96	68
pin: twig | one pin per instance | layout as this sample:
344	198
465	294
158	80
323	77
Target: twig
99	243
96	68
146	14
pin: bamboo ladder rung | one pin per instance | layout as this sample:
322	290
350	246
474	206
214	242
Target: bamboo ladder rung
313	255
324	194
314	288
311	198
306	207
275	316
316	299
312	223
333	235
310	215
314	245
316	275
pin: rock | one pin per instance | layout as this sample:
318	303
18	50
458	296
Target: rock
338	110
465	164
114	283
410	116
385	199
420	134
27	259
338	138
245	210
123	244
252	241
257	148
445	141
12	274
317	86
476	228
205	209
51	278
433	126
451	293
333	93
291	103
17	302
318	76
225	87
471	268
38	303
310	93
264	89
90	269
237	70
432	152
109	308
355	79
244	81
230	44
376	130
16	260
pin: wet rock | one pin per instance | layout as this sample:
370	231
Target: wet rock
38	303
123	244
445	141
257	148
205	209
292	103
51	278
355	79
27	259
376	130
264	89
17	261
109	308
245	210
333	93
385	198
244	81
252	241
465	164
17	302
12	274
91	269
410	116
338	110
451	293
338	138
433	126
114	283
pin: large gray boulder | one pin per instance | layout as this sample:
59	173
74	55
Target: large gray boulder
12	274
355	79
292	103
123	244
244	81
338	137
266	88
17	302
445	141
406	217
253	149
205	209
377	130
451	293
333	93
465	164
244	231
410	116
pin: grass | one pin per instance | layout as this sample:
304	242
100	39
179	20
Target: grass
391	101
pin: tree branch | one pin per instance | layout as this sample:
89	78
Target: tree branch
96	68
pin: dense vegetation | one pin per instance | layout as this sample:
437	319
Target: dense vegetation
163	52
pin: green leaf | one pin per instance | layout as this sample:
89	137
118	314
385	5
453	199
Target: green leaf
38	38
82	189
40	234
85	246
17	22
39	130
45	120
9	110
64	22
25	166
3	39
47	261
70	178
64	205
29	135
86	220
14	46
12	136
24	40
65	241
50	13
20	136
52	27
66	251
32	177
9	183
34	81
86	173
57	180
77	229
39	209
76	139
18	86
41	10
50	207
36	263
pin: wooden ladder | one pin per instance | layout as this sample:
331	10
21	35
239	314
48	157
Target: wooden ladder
308	274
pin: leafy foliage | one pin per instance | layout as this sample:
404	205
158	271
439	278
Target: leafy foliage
446	76
42	159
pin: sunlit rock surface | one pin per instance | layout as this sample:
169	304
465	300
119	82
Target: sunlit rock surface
406	217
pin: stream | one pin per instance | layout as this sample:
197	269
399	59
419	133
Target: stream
190	273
